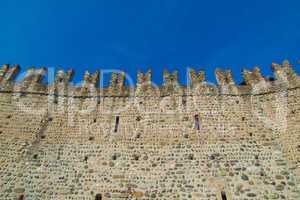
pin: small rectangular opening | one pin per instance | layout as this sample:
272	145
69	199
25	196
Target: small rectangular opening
55	99
197	123
21	197
98	197
184	101
223	195
117	124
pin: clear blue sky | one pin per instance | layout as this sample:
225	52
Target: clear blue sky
138	34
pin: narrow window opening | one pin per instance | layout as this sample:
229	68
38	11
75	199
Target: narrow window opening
98	197
117	124
114	157
55	101
184	102
95	120
197	123
223	195
21	197
86	158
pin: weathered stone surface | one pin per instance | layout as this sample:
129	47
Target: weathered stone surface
174	144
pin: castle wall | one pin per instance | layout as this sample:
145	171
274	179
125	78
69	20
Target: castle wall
68	146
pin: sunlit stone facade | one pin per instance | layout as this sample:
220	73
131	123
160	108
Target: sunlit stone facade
200	142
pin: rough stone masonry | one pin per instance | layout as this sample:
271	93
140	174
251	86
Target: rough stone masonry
173	142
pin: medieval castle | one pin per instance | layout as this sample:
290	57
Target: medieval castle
173	142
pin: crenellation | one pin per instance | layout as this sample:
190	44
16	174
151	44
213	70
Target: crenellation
90	84
224	77
9	76
196	79
171	84
170	78
92	79
254	82
202	142
285	74
288	69
117	84
225	82
254	77
144	79
32	81
30	73
3	71
62	77
60	88
39	75
144	85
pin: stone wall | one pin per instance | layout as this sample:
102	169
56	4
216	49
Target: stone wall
199	142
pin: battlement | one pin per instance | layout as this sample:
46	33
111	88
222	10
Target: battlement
253	82
201	141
